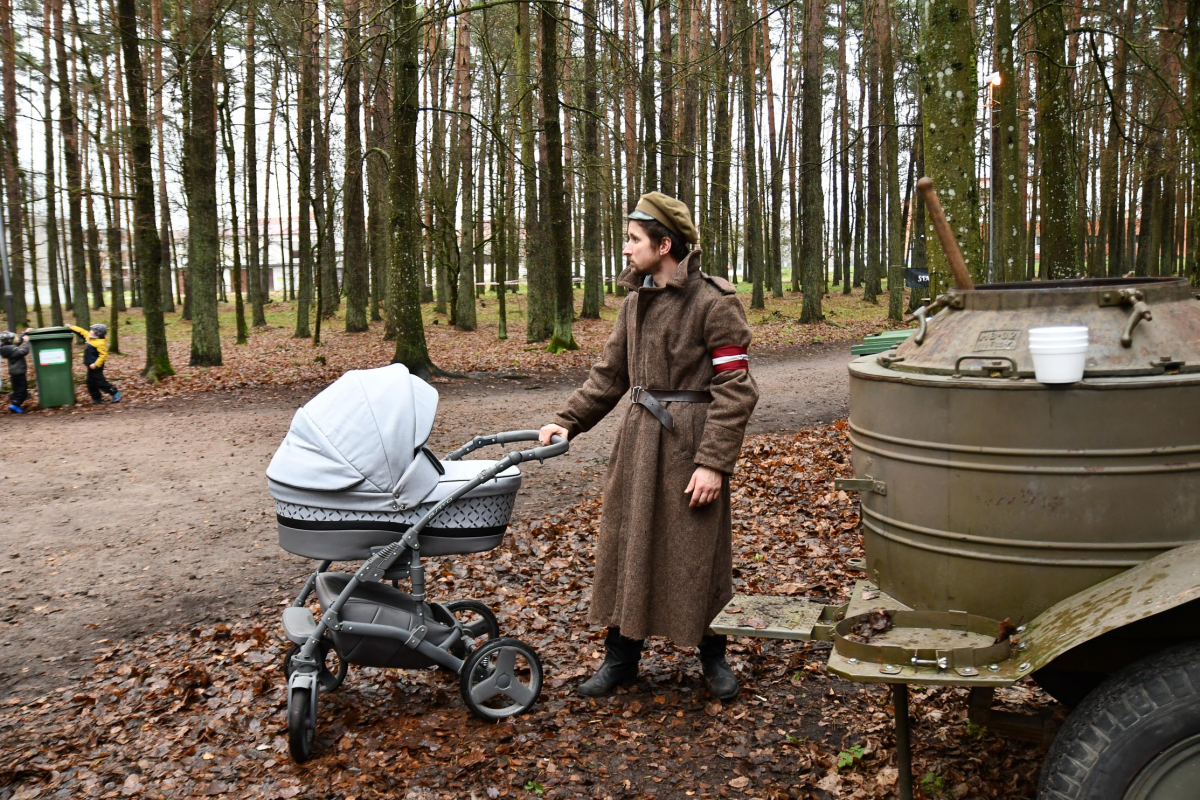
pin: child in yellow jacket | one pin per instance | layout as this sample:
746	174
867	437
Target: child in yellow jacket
95	353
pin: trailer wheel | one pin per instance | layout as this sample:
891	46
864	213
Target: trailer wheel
1137	737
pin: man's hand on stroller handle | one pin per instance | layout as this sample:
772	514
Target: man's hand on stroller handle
550	430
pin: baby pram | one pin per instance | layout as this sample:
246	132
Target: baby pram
353	480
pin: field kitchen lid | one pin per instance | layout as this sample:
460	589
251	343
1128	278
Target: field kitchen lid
361	432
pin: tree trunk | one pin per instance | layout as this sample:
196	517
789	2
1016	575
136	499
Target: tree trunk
1193	67
502	192
860	205
264	266
891	143
537	267
722	151
56	314
465	305
633	171
844	122
380	112
226	123
793	76
254	271
1008	239
812	247
33	259
306	108
687	132
646	85
1109	233
444	192
774	261
149	251
112	208
1060	201
13	175
404	277
753	217
204	254
593	288
949	95
328	296
874	165
558	221
354	255
667	145
465	156
70	135
164	209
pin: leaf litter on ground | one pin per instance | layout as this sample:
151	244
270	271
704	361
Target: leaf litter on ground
200	712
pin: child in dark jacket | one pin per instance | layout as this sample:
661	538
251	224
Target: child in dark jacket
95	352
14	350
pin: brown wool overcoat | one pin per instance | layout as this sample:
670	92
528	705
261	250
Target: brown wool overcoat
663	569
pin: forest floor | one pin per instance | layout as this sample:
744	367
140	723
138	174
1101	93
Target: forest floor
142	587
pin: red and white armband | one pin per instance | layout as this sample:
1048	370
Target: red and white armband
730	356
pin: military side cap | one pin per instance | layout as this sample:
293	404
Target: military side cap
668	211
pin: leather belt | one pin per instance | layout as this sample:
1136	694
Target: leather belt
653	399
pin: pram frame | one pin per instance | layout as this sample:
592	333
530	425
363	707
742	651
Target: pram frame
305	664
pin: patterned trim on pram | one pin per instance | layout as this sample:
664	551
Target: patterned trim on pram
468	512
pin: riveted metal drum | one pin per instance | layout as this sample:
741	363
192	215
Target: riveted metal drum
996	495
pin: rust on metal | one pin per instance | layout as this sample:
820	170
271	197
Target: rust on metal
774	617
1158	585
867	596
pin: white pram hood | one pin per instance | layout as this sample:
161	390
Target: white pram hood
363	432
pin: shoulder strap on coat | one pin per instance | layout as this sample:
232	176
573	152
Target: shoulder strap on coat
725	286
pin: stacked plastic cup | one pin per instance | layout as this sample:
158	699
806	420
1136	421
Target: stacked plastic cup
1059	353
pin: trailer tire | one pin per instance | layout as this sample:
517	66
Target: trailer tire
1128	735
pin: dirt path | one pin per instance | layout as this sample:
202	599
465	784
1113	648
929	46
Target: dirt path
128	520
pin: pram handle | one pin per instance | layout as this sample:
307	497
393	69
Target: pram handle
558	445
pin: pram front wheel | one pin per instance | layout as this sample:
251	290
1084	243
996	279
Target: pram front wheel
302	723
329	677
501	678
477	620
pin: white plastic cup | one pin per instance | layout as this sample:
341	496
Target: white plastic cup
1059	330
1058	364
1058	333
1068	339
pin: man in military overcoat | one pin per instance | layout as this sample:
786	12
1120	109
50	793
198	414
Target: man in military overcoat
664	558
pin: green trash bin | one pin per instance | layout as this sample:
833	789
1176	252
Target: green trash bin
51	351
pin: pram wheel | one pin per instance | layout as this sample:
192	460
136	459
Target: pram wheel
501	678
302	723
329	679
484	624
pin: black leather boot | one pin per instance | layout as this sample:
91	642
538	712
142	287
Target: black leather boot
620	665
718	677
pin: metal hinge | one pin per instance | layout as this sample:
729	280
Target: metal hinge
867	484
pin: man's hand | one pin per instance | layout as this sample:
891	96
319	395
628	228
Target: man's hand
91	366
550	430
704	486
